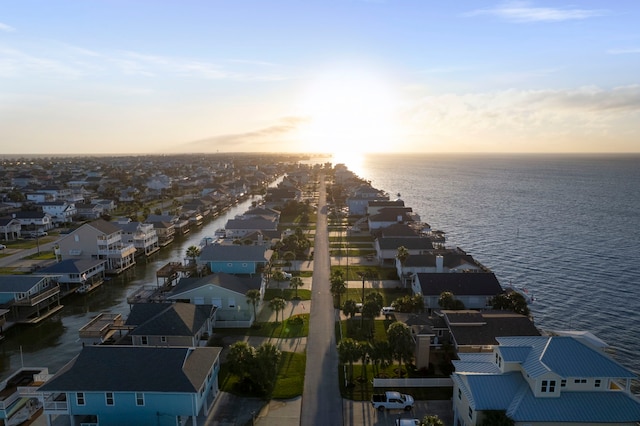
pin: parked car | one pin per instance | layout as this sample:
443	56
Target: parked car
387	310
391	400
2	247
407	422
287	275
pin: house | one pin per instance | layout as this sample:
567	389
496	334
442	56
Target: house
475	290
224	291
544	380
165	226
111	385
477	331
17	403
358	201
34	221
234	258
447	260
60	211
374	206
142	235
30	298
391	215
241	226
99	240
170	324
89	210
387	248
75	272
9	228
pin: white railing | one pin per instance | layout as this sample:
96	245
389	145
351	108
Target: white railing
233	324
6	403
413	383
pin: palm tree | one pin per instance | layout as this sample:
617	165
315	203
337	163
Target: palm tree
192	253
253	297
278	276
350	308
435	421
289	256
402	255
338	285
277	304
401	341
380	354
295	283
348	352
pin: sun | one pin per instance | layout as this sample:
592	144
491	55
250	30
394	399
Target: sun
349	112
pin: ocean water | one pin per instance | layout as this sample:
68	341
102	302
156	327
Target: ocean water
567	228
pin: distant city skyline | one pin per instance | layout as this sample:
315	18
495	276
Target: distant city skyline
338	76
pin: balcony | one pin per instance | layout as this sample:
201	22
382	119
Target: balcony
55	403
117	252
33	300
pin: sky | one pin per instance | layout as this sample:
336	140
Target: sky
335	76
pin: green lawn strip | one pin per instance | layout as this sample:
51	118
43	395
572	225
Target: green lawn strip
290	378
286	293
351	252
44	255
290	328
356	271
11	271
352	239
363	329
388	294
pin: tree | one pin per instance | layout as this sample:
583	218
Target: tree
402	256
364	348
239	358
496	418
348	352
253	297
277	304
350	308
431	421
192	253
445	301
401	342
408	303
338	285
265	366
278	276
380	354
512	301
295	283
289	257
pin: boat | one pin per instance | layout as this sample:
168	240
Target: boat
523	291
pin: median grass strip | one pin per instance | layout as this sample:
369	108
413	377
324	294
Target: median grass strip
290	378
287	293
294	326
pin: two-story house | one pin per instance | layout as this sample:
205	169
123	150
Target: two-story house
99	240
224	291
115	385
30	298
358	201
9	228
170	324
60	211
142	235
475	290
234	258
544	380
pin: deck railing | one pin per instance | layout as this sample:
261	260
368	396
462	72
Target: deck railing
39	297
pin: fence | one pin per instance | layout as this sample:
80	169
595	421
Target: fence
413	383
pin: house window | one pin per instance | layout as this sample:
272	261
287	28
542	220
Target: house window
580	381
144	340
163	339
80	398
563	383
545	384
470	413
139	399
496	357
552	386
232	303
109	398
598	382
244	265
229	264
76	238
459	394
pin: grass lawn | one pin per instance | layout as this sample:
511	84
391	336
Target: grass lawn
43	255
290	378
11	271
287	293
364	330
388	294
356	271
291	327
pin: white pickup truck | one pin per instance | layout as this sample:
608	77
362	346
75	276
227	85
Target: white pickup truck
392	400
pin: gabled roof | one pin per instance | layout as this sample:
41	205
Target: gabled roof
134	369
233	252
103	226
168	319
251	223
566	356
19	283
391	214
397	230
236	283
475	328
72	266
460	284
410	243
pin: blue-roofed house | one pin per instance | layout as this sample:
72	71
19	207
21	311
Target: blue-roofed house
234	258
550	380
116	385
224	291
30	298
76	272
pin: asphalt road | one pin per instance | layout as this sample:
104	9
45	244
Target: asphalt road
321	400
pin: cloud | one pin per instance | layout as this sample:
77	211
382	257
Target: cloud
516	118
522	11
6	28
275	134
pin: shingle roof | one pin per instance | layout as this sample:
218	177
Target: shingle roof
135	369
239	284
460	284
233	252
72	266
104	226
176	319
410	243
19	283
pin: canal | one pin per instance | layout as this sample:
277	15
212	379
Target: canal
55	341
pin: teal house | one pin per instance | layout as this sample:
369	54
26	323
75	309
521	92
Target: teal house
116	385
